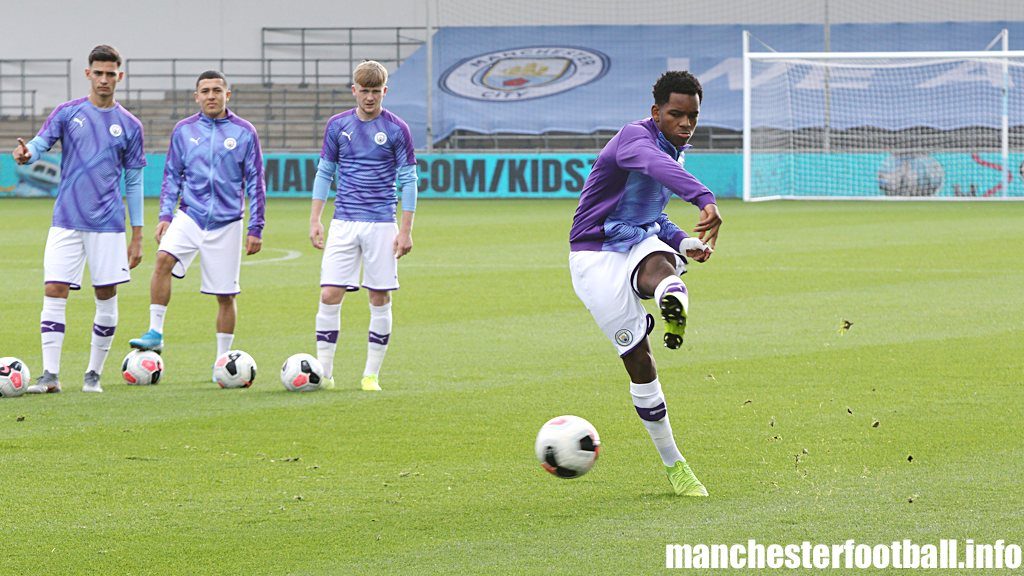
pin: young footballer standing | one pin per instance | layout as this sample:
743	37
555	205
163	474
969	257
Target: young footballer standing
623	248
368	149
100	141
214	162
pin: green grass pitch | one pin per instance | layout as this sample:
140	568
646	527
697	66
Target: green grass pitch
906	425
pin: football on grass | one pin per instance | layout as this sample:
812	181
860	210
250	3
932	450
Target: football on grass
302	373
142	368
234	369
567	446
14	377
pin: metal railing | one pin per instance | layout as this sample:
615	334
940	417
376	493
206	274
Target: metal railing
21	80
704	139
389	46
177	104
152	75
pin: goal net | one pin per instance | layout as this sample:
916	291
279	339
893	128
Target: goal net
901	125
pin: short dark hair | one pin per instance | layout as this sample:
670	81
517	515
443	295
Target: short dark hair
209	75
105	53
678	81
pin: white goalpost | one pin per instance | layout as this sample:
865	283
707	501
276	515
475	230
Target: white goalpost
883	125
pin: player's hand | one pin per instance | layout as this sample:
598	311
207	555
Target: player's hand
316	234
695	249
708	225
21	153
135	251
403	244
161	229
253	244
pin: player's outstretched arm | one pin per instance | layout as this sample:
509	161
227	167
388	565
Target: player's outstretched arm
21	152
708	225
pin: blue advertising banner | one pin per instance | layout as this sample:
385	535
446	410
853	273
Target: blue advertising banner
467	176
441	175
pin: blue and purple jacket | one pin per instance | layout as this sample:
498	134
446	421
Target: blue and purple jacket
623	201
213	164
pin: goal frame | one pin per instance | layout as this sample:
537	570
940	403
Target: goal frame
1004	54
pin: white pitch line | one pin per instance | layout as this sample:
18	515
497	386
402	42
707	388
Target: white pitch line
288	255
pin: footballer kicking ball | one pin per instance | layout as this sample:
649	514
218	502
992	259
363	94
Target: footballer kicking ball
142	367
567	446
302	373
14	377
234	369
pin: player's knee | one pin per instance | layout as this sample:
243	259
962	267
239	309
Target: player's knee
331	295
378	298
164	263
106	292
226	300
639	363
56	290
653	269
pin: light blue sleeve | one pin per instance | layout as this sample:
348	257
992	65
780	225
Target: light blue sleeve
36	146
133	195
408	184
324	175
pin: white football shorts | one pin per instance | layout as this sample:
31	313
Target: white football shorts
606	283
369	244
219	250
68	250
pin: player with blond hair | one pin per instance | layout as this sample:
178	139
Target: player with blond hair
366	151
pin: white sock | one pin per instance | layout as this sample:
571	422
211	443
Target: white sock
224	342
650	406
51	327
103	326
328	325
380	333
157	312
672	281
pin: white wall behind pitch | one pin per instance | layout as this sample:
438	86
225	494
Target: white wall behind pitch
178	28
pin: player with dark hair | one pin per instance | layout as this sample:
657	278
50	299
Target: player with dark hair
366	149
100	141
214	162
624	249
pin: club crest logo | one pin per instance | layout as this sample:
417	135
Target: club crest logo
380	138
518	74
623	337
115	130
230	143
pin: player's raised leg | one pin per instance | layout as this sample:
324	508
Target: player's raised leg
328	326
379	334
661	270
